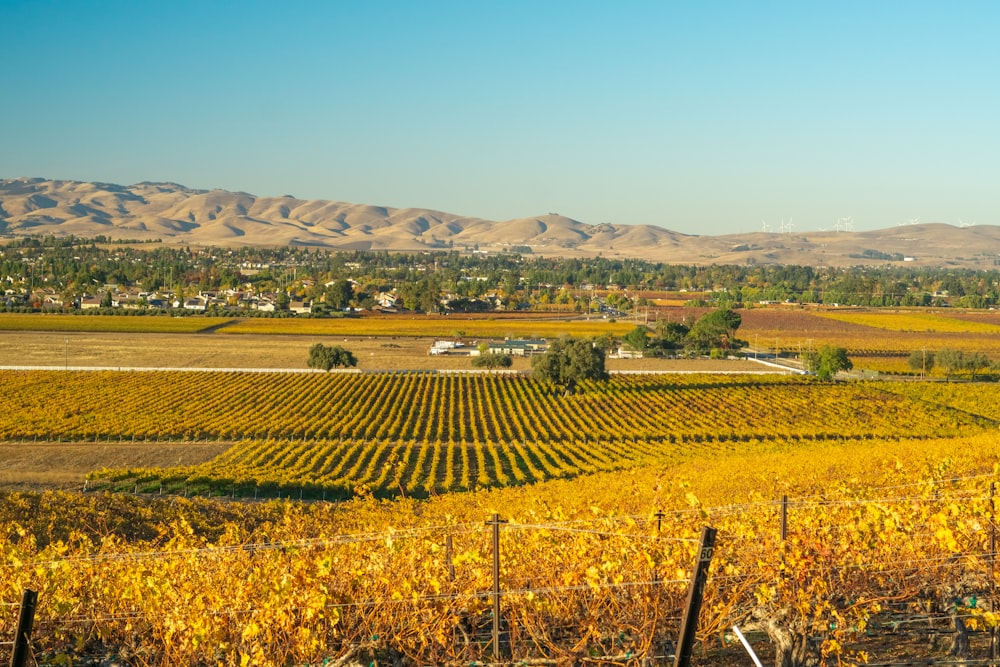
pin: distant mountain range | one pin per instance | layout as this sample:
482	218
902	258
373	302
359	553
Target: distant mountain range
179	215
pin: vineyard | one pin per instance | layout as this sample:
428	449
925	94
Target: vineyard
974	398
914	321
887	558
885	554
876	339
329	435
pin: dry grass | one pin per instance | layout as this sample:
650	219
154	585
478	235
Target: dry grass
125	350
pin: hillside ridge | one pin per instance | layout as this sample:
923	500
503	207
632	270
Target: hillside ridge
174	213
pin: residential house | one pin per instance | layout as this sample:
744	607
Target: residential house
196	303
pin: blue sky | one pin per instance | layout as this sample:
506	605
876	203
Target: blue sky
701	117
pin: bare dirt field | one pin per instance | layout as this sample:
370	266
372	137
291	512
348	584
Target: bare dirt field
54	465
151	350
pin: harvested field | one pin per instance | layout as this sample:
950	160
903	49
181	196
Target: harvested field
55	465
128	350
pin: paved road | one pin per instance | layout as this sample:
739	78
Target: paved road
770	370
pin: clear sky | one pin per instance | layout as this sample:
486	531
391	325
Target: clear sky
702	117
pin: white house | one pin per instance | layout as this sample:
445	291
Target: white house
195	303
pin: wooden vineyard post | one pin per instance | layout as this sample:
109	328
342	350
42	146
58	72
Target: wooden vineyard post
994	636
495	523
689	622
659	523
784	518
25	621
449	551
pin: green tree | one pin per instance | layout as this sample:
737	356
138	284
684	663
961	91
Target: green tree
637	339
671	334
827	361
921	361
492	360
282	300
423	295
334	356
951	360
569	360
714	330
338	294
976	363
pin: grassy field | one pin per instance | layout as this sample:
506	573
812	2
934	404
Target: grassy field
876	340
250	351
108	323
430	326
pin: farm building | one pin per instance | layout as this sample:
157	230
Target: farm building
440	347
517	347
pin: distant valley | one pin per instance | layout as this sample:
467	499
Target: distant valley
176	214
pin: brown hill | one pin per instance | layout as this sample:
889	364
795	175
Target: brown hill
176	214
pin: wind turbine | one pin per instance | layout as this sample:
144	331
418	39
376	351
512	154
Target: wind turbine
763	227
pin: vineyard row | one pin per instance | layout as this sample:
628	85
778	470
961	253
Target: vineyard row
570	589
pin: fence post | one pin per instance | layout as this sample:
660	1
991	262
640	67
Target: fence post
689	622
25	621
495	523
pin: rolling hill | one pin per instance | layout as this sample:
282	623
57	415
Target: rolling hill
174	213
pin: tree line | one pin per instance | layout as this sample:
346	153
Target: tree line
72	267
